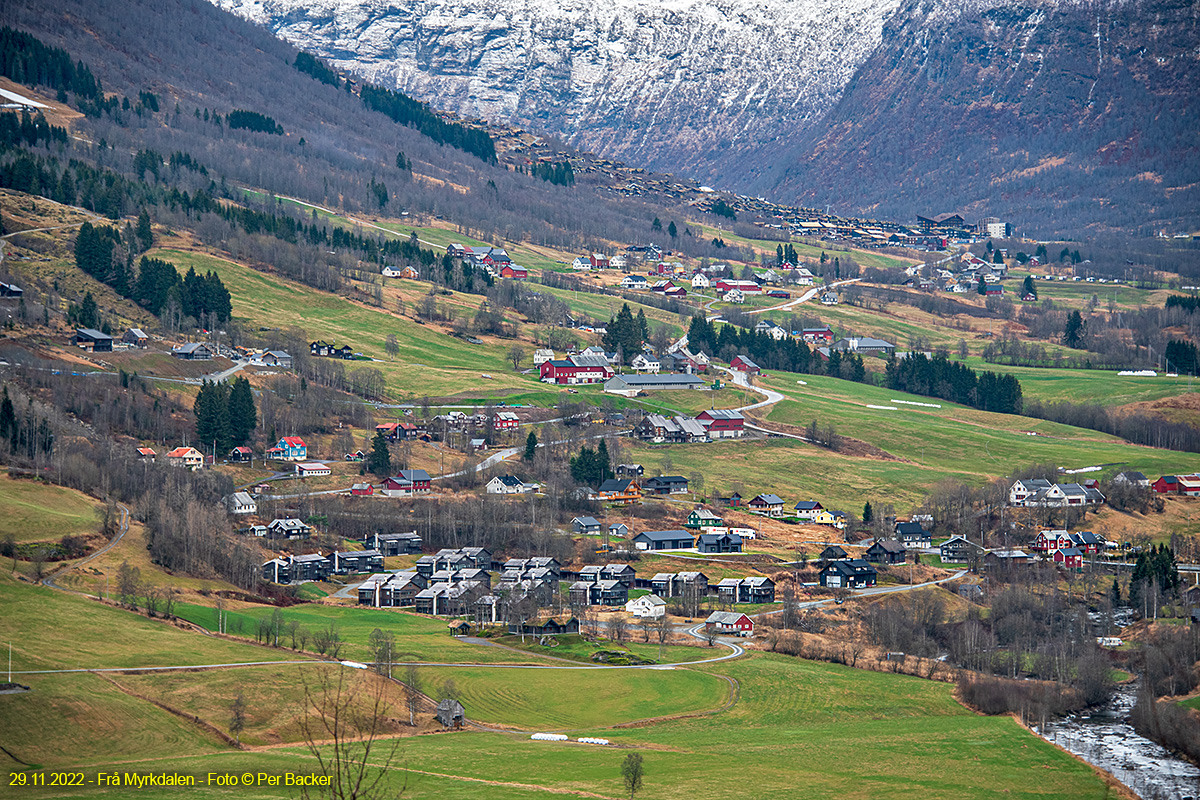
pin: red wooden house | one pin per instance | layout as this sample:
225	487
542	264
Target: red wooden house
818	335
744	364
1069	557
408	482
362	490
733	622
722	423
514	272
390	430
577	369
1049	541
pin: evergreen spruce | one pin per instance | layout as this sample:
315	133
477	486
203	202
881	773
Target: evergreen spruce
380	462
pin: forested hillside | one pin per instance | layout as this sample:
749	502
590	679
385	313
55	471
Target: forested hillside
231	103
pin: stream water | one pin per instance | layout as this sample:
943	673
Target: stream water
1104	738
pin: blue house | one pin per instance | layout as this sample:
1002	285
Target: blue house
290	448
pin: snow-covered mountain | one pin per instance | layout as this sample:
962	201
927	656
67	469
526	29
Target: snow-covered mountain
655	82
1054	113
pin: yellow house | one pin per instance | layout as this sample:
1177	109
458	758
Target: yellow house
834	518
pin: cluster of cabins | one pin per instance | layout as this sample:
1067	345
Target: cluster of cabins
1185	485
629	491
1041	493
709	542
704	427
323	349
493	260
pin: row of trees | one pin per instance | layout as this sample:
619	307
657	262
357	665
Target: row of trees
954	381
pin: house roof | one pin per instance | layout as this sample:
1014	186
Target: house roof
657	380
808	505
413	475
889	545
180	452
910	528
1009	554
769	499
722	413
508	480
92	333
716	538
725	617
849	568
241	498
615	485
293	441
664	536
668	479
587	522
746	361
652	599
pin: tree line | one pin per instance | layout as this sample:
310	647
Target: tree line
401	108
940	377
240	118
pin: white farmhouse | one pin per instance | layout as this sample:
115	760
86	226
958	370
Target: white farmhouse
649	606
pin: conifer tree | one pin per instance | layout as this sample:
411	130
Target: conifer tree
381	458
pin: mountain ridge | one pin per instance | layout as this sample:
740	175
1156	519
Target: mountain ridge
811	106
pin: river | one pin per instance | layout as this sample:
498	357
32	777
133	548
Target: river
1104	738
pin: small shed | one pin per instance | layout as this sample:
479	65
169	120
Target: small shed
451	714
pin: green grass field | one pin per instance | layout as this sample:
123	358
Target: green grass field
1102	387
794	723
88	634
584	698
928	445
575	648
955	439
36	512
417	638
430	362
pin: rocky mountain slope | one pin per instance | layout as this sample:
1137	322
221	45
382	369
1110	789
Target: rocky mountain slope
658	84
1051	113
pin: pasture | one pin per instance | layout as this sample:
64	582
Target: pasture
38	512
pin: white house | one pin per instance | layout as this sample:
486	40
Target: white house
392	272
618	262
649	606
542	356
771	329
829	299
312	469
734	296
634	282
645	364
508	484
701	281
241	503
581	263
